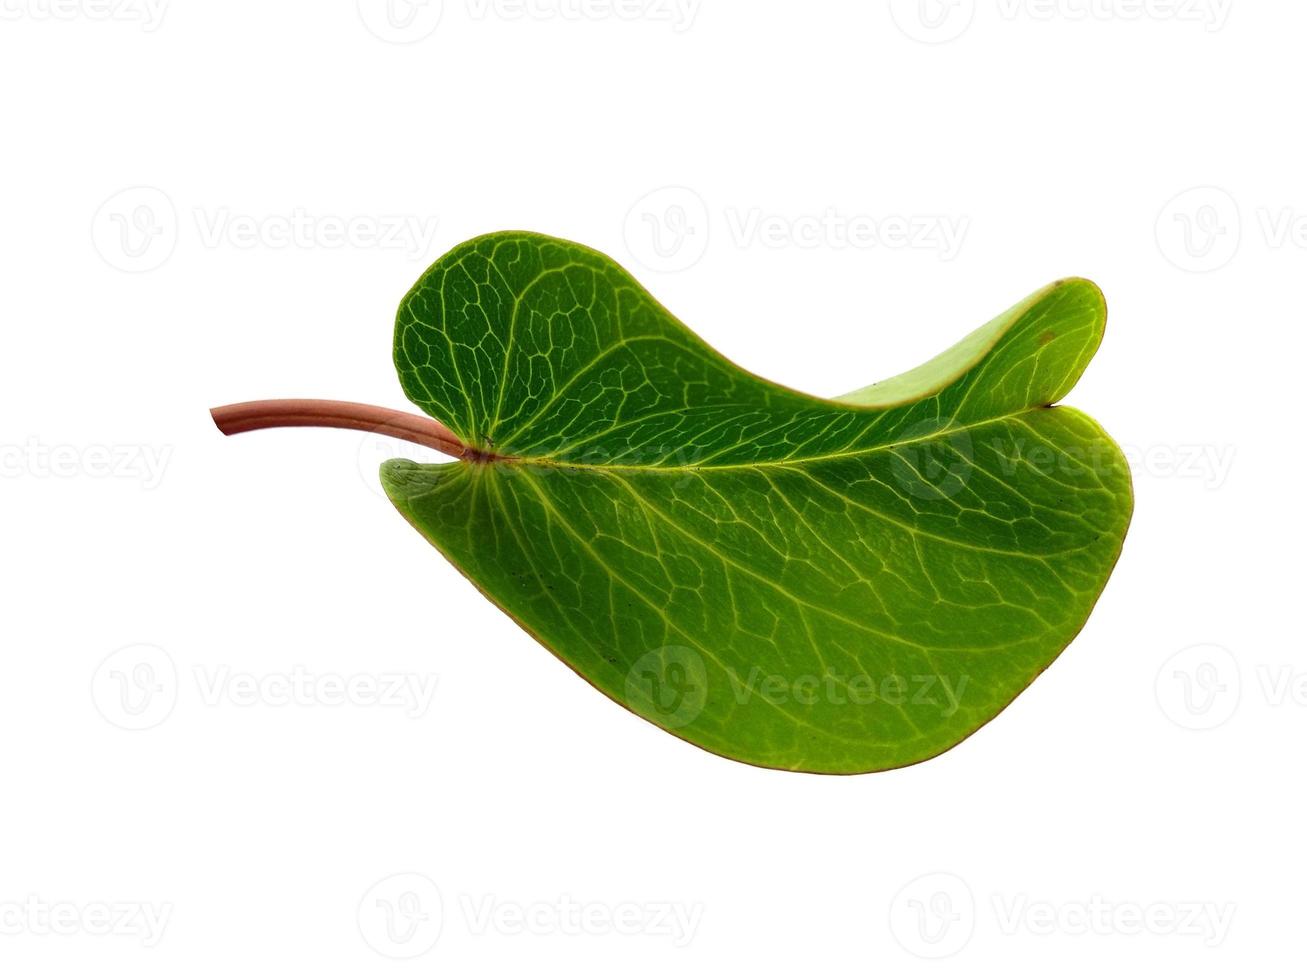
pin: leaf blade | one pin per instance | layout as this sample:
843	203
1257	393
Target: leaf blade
661	499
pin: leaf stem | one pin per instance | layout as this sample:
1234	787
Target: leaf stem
282	412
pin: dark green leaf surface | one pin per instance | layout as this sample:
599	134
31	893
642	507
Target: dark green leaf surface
825	585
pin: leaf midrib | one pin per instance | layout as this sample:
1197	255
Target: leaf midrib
785	463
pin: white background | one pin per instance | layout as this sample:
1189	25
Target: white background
1138	809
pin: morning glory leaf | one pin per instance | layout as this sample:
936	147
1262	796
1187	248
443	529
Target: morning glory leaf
829	585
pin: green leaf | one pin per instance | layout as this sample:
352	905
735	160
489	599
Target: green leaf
824	585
